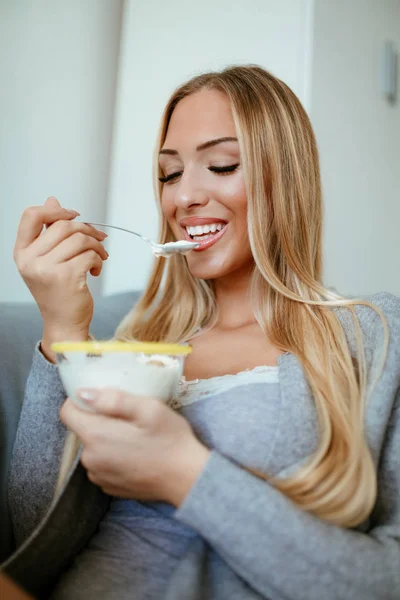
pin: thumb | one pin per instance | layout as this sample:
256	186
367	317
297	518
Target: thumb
112	403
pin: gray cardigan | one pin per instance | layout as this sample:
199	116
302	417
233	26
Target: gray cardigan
275	550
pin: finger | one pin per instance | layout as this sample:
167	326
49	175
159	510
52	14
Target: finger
33	219
61	230
84	424
54	204
87	262
115	403
52	201
76	244
76	420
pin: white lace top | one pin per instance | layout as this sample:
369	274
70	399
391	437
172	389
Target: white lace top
198	389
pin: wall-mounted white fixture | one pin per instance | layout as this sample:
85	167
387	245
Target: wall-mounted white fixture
389	72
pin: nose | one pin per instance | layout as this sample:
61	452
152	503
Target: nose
190	192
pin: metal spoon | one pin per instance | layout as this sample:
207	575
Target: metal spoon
166	250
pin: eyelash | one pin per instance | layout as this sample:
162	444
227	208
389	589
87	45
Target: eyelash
218	170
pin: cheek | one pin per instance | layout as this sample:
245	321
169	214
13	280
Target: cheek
235	194
238	206
168	206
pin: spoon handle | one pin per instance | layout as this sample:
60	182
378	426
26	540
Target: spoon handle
120	229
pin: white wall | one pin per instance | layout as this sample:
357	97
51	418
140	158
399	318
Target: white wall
359	139
58	66
164	43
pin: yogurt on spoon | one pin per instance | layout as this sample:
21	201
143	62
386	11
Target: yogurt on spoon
170	248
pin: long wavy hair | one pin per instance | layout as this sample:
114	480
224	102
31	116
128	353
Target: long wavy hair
281	171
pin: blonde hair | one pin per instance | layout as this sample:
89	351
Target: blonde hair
281	171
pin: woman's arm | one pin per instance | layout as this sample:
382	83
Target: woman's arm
287	554
38	447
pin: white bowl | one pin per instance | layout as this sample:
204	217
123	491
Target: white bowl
140	368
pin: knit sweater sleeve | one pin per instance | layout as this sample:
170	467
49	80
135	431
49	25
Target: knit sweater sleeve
38	447
285	553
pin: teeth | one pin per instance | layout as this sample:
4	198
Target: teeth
201	238
204	229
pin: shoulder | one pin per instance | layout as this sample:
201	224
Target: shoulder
369	314
370	320
381	308
389	304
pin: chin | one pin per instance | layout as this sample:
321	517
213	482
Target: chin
211	269
206	274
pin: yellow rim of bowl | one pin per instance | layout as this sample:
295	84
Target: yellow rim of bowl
144	347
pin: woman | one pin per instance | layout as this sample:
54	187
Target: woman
275	472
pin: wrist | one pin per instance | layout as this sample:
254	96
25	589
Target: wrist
53	335
192	465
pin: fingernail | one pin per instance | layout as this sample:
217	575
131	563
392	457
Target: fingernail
107	254
87	395
73	212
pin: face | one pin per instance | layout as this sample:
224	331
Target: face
204	197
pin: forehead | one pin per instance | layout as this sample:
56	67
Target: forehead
202	116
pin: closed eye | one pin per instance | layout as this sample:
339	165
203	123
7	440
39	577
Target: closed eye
221	170
218	170
170	177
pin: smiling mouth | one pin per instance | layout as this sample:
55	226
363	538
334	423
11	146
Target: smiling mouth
205	235
200	233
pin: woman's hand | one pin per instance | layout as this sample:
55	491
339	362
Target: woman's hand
136	447
54	263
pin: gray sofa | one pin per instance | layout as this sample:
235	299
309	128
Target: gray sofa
20	329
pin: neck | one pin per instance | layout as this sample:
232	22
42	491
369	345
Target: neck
233	299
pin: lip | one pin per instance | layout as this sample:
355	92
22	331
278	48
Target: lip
193	221
210	241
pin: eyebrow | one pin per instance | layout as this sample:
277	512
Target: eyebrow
203	146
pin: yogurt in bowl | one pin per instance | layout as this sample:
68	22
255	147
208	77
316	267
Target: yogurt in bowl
140	368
